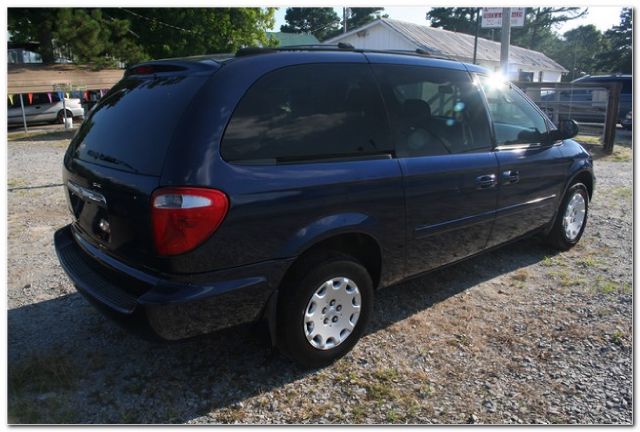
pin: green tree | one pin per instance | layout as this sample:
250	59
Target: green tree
618	57
579	51
461	20
536	34
361	16
176	32
103	36
34	25
90	37
321	22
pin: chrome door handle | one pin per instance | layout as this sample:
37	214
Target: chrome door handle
510	177
486	181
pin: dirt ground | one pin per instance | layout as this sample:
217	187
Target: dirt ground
519	335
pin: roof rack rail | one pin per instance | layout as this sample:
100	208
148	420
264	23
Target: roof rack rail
320	47
338	47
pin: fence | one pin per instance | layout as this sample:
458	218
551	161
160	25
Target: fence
596	106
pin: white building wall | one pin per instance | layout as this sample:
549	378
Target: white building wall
551	76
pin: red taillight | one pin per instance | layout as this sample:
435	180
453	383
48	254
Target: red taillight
184	217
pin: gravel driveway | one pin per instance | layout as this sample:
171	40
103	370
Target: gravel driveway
519	335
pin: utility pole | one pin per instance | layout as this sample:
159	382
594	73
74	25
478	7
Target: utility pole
344	20
505	40
475	40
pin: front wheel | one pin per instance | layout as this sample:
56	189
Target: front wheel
323	313
571	219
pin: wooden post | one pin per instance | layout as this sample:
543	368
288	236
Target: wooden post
556	110
611	119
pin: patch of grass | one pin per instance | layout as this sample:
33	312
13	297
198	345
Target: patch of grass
567	278
42	373
380	392
387	375
37	386
13	182
590	261
622	193
588	139
620	154
130	416
230	415
392	416
358	414
617	338
520	275
547	261
460	340
608	286
54	410
621	149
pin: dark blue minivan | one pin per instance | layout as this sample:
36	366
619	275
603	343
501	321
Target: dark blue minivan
291	184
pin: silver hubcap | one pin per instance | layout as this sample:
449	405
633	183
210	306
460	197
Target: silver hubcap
574	216
332	313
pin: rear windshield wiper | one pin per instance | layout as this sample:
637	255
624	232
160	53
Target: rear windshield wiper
103	157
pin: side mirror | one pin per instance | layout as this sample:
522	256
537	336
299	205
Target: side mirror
566	129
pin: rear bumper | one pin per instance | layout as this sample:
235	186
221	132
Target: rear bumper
169	307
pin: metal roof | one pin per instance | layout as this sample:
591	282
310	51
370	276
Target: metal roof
36	78
460	45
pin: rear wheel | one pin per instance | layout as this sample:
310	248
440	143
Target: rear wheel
323	312
571	219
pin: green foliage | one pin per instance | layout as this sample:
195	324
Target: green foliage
536	34
325	23
461	20
105	36
580	50
618	57
176	32
34	24
321	22
362	16
91	37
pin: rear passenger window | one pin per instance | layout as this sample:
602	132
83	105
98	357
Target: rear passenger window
308	112
433	111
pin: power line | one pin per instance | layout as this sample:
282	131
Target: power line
154	20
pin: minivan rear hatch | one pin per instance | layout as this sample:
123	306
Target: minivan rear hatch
115	161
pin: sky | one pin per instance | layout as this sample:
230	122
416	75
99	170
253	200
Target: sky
603	17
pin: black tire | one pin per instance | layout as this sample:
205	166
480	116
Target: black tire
294	298
557	237
60	116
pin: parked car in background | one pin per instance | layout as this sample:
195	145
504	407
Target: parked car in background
589	104
41	109
207	194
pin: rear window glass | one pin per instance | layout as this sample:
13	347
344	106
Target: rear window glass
132	126
309	112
